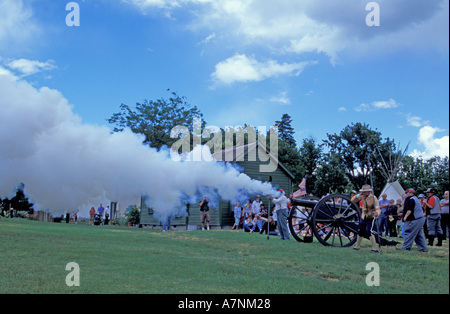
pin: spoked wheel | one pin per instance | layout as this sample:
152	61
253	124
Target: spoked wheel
335	221
300	221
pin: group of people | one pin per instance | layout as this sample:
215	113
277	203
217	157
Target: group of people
254	217
414	217
101	211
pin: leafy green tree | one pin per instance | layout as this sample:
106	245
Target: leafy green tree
422	174
359	148
156	119
310	156
330	176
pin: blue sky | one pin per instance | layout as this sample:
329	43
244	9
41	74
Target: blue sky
245	61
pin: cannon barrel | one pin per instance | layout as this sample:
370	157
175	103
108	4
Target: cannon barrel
304	202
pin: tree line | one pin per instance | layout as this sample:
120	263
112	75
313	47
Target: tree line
339	163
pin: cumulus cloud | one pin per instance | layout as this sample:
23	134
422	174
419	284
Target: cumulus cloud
29	67
321	26
434	146
241	68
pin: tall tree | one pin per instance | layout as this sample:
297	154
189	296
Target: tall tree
156	119
285	130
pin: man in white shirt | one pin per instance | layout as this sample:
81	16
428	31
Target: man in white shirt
256	209
282	214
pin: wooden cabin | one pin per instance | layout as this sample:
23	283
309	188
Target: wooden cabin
223	217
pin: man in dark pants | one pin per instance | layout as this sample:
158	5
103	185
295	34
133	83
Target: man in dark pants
369	211
414	219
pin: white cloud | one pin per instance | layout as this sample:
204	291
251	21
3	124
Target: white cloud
29	67
377	105
342	109
387	104
319	26
241	68
415	121
433	146
282	99
17	25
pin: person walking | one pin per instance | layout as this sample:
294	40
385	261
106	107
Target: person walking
414	219
369	211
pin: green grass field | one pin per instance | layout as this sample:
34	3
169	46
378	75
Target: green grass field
115	259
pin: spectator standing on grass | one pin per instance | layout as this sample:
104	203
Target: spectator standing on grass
167	223
100	210
445	215
434	217
383	218
391	212
282	214
414	220
204	213
91	216
422	198
237	215
399	205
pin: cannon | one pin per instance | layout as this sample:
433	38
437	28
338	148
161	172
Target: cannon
332	220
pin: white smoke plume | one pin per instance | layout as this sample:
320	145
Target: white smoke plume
66	164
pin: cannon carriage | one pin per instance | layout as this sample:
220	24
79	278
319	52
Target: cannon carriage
332	220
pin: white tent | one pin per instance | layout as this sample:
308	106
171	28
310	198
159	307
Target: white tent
394	191
389	170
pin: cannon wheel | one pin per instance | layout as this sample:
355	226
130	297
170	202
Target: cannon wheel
300	222
336	223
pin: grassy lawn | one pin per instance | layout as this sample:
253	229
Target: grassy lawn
113	259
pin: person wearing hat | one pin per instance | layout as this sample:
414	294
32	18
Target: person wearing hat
282	214
433	217
369	210
414	219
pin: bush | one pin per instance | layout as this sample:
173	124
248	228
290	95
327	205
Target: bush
133	215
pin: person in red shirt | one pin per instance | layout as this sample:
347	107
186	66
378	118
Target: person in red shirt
91	215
